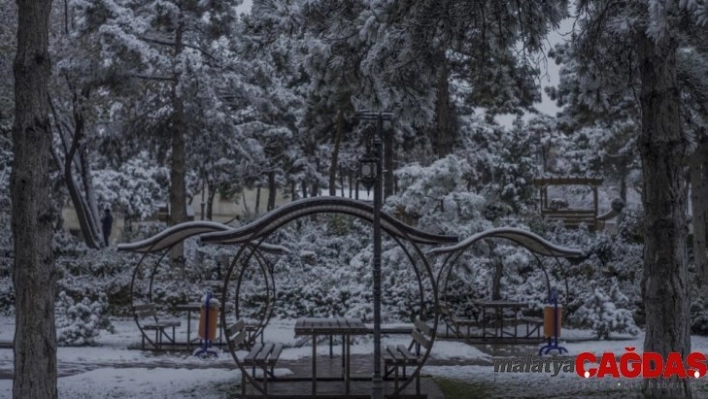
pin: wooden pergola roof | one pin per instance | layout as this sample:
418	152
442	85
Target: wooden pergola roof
567	181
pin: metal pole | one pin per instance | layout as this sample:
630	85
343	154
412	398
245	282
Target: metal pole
203	187
377	388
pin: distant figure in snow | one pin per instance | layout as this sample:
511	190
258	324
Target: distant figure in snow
107	224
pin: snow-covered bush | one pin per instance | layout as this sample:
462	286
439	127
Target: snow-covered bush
437	196
605	312
7	295
80	323
137	187
611	266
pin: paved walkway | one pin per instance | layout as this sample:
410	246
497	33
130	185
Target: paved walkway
361	365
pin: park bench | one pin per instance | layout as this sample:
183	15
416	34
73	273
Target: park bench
147	317
533	325
261	356
399	357
455	323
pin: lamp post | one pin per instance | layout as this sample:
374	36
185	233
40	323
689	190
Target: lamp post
371	171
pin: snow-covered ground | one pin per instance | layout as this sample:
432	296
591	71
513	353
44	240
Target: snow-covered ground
115	371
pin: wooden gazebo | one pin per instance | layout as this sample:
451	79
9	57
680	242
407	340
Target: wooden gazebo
558	210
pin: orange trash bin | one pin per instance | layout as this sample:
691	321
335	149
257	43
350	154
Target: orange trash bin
548	322
208	331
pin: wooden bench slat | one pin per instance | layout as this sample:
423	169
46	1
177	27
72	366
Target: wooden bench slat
422	340
407	356
393	355
235	327
275	355
239	337
253	353
264	353
422	326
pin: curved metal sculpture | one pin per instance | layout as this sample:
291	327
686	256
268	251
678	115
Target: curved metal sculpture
262	228
531	241
164	242
308	206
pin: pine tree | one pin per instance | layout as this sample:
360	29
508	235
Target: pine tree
34	276
651	36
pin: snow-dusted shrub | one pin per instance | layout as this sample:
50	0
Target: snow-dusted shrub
80	323
7	296
137	187
605	312
610	263
137	231
98	272
67	245
699	311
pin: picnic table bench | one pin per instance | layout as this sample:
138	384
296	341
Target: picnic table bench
261	356
399	356
147	315
456	324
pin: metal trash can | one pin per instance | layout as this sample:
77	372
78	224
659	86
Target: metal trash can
549	327
208	319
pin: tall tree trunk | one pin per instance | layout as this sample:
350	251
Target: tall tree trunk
258	199
272	190
210	201
90	193
178	191
70	143
704	192
665	286
293	191
388	143
444	140
698	205
335	154
33	272
341	181
303	187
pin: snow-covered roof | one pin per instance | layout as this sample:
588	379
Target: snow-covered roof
524	238
325	204
181	232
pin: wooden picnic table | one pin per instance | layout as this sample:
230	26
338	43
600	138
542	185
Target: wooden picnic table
498	307
343	327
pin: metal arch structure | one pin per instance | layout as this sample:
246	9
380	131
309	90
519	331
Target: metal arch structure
270	294
534	243
258	230
309	206
162	243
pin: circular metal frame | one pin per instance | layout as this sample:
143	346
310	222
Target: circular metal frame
530	241
259	230
269	280
450	267
163	242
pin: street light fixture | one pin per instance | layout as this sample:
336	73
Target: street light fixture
370	172
367	165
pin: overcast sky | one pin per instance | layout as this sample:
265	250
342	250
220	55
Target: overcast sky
549	71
